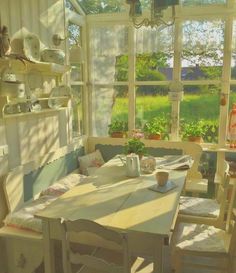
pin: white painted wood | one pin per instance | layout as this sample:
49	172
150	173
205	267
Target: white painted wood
13	187
188	148
222	201
85	91
3	141
217	261
131	77
121	204
97	261
24	256
226	76
23	247
175	110
11	184
12	137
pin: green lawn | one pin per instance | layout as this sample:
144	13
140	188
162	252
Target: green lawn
193	107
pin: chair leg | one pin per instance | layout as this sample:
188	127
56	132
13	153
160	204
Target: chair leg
177	262
230	266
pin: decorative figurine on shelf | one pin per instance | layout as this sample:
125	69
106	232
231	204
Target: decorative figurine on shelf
4	41
232	127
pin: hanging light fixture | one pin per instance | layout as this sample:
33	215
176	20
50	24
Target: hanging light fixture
157	8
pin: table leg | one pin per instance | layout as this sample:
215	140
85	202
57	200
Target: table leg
48	249
158	256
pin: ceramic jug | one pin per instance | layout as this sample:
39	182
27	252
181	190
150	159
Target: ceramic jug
132	165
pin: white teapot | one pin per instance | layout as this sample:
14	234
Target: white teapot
132	165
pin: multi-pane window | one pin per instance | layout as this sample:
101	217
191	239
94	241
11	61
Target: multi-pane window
109	77
76	77
131	71
153	66
202	50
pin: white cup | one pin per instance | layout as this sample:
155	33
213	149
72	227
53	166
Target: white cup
162	177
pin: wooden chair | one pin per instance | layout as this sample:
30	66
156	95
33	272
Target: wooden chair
205	248
204	210
99	259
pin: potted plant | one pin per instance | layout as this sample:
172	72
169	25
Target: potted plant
135	145
117	128
155	128
194	131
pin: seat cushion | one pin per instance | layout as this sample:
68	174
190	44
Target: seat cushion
199	207
63	185
200	238
24	218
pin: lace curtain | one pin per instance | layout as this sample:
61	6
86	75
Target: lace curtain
106	44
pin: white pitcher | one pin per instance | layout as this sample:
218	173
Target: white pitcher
132	165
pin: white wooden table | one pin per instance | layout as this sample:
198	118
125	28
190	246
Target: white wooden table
121	203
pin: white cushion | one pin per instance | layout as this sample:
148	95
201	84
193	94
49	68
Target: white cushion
200	238
199	207
63	185
90	160
24	218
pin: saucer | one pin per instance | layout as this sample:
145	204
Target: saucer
167	187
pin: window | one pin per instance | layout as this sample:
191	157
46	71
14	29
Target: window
201	102
202	54
76	77
109	76
142	64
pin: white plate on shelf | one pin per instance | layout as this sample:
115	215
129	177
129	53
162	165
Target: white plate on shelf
55	100
31	47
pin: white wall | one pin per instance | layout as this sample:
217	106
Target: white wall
29	136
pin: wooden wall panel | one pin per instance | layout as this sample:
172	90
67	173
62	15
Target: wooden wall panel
42	17
32	136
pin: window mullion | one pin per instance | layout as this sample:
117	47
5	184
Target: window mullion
131	76
226	76
176	77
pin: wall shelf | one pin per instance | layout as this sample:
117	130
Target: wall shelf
43	67
41	112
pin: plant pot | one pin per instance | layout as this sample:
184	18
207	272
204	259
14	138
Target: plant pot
117	134
154	136
197	139
140	156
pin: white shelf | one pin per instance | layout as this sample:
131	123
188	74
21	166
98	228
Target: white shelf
43	67
44	111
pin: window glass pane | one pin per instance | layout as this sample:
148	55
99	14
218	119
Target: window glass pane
109	49
101	6
202	53
232	96
201	103
110	103
77	108
154	57
152	103
233	59
76	73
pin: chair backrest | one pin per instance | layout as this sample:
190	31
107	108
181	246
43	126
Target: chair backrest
107	237
224	184
188	148
222	193
231	221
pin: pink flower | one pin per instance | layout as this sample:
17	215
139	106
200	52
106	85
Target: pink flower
137	134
